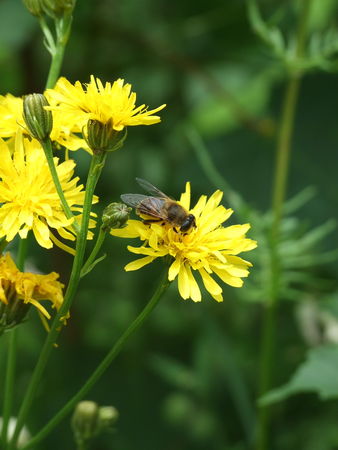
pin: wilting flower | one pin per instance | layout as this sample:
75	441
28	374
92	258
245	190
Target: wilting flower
113	103
20	290
28	197
209	248
63	132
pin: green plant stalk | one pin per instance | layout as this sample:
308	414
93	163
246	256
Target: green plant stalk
279	193
105	363
95	169
9	383
11	357
63	28
98	244
47	148
213	174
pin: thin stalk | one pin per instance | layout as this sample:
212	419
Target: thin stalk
47	148
63	27
103	366
12	356
22	253
95	169
98	244
278	198
9	383
3	244
213	174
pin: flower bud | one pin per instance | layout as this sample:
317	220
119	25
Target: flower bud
34	7
101	137
58	8
39	121
85	421
108	416
115	216
12	313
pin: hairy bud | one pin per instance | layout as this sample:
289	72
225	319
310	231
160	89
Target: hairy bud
101	137
115	216
39	121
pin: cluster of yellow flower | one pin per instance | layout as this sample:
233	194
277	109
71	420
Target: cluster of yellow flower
29	199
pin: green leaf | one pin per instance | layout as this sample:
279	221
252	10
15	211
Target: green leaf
317	374
91	267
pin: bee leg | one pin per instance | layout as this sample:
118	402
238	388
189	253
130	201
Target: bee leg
149	221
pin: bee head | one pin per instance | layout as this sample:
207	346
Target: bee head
188	223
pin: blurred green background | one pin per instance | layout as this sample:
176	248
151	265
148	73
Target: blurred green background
188	379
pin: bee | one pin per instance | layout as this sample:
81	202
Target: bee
159	207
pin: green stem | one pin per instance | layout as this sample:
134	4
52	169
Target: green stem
96	166
22	253
103	366
47	147
98	244
63	27
213	174
9	383
11	356
279	193
3	244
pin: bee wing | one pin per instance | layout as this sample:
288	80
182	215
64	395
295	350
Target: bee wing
148	187
150	206
133	200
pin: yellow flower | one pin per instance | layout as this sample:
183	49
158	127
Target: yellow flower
209	249
110	102
19	290
28	198
63	132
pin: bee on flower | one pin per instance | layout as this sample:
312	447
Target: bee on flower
205	246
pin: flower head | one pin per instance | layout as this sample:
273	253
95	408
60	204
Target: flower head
28	197
63	132
209	248
110	102
20	290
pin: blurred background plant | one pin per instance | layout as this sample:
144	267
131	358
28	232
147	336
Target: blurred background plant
189	380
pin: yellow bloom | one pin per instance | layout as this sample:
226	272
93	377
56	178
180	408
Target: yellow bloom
19	290
28	198
63	132
209	249
110	102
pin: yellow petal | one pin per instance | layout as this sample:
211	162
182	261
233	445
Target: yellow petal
183	282
41	233
227	278
174	269
138	263
185	197
132	230
209	283
195	292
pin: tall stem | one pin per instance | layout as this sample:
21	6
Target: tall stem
279	192
9	383
63	27
98	244
11	356
47	148
93	176
103	366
